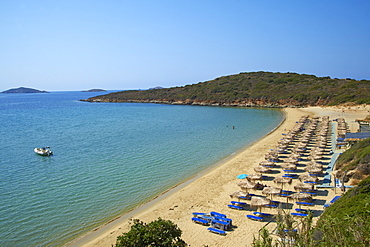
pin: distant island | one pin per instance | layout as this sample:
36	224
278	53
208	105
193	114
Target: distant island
23	90
94	90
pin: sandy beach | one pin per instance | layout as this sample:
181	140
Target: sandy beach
211	191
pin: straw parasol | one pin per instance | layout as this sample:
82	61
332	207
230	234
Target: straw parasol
239	194
282	180
291	160
311	169
259	202
267	163
255	177
308	178
262	169
288	166
271	191
246	184
302	186
300	196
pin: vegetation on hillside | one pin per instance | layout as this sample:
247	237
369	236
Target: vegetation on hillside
355	161
255	88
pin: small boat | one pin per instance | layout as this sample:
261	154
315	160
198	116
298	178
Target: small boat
45	151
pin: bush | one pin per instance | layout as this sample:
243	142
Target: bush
161	233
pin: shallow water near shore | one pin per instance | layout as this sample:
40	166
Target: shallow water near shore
108	158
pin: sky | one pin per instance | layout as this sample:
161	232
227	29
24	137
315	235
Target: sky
72	45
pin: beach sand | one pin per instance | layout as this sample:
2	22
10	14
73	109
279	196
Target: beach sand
210	192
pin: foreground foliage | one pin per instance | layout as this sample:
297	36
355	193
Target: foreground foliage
257	88
358	156
345	223
162	233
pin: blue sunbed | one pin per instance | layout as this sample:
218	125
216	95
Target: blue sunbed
271	205
196	214
253	217
235	207
305	203
299	214
215	230
240	203
200	221
215	214
335	199
229	221
262	214
301	210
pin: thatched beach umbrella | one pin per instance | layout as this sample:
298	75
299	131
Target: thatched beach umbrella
271	191
262	169
313	169
300	196
308	178
267	163
259	202
239	194
282	181
288	166
291	160
302	186
247	185
255	177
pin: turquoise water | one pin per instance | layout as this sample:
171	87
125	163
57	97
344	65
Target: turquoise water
108	158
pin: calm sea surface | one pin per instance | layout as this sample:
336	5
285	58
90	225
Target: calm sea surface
108	158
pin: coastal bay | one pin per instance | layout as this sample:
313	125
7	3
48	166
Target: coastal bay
210	191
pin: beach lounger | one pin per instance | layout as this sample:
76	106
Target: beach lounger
299	214
305	203
253	217
275	202
215	214
239	203
335	199
287	192
235	207
229	221
215	230
301	210
223	225
197	214
262	214
200	221
206	217
271	206
284	195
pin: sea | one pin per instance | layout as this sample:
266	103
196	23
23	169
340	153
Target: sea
108	158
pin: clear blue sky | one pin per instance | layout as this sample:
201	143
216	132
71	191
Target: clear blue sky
75	45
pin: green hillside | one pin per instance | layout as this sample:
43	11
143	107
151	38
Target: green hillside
255	89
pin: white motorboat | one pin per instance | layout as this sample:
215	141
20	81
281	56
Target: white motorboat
45	151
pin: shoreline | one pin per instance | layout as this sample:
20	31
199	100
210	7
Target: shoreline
207	191
86	239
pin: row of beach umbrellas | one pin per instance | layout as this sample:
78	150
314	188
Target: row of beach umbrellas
302	133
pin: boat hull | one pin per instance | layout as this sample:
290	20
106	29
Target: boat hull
43	152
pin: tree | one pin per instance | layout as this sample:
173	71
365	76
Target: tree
162	233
